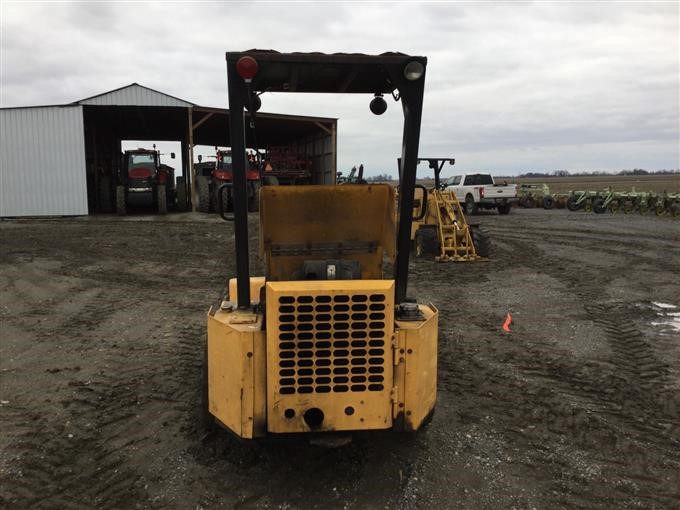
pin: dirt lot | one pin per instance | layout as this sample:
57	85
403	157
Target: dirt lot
577	407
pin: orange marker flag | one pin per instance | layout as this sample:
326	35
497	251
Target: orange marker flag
506	324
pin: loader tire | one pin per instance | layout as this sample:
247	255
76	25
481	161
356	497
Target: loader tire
427	242
548	202
470	205
162	199
572	205
203	194
504	209
120	201
482	241
598	206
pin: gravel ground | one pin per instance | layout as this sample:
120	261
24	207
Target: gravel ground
576	407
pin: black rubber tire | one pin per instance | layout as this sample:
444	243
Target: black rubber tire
203	187
180	186
105	204
572	205
162	199
226	200
675	210
504	208
482	241
548	202
470	206
254	198
598	206
427	242
121	208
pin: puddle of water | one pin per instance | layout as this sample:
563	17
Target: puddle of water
669	320
664	305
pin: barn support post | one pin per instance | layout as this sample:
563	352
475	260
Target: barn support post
189	166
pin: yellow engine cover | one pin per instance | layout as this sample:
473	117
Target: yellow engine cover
329	355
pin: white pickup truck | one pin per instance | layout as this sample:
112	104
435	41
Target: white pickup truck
477	191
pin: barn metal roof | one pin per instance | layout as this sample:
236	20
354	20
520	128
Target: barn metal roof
134	95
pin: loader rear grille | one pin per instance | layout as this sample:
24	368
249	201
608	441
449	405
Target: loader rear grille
332	343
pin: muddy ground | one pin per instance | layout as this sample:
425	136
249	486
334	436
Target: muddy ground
577	407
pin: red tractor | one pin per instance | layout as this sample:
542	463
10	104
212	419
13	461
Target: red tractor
144	182
210	177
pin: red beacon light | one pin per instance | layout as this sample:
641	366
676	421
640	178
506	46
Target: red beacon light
246	67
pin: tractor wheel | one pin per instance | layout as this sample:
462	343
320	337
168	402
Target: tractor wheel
162	199
572	205
482	241
598	206
504	209
254	198
675	210
548	202
427	242
203	194
120	200
182	203
226	201
470	206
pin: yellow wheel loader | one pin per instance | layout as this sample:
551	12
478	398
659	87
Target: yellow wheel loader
439	228
325	341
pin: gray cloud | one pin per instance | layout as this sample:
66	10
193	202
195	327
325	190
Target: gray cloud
510	87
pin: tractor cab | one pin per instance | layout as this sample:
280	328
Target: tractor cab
144	182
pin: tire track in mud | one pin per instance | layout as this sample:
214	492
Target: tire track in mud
624	404
133	388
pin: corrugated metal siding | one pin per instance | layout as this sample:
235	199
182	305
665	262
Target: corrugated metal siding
134	95
42	162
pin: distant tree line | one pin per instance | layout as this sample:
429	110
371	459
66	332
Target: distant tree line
566	173
379	178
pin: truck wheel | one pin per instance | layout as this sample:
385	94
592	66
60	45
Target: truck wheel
504	209
482	241
598	206
162	199
427	242
470	206
548	202
572	205
120	200
203	194
181	194
254	198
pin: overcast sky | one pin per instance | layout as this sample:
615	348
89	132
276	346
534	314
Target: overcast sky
509	87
